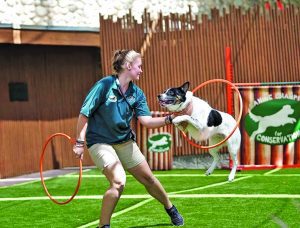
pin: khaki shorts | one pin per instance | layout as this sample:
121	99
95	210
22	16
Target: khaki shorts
128	153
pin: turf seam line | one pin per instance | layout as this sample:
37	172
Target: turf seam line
279	222
120	212
211	185
190	175
34	179
146	196
272	171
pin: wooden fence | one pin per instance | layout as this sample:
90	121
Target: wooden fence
263	49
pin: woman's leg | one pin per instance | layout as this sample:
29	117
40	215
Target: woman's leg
144	175
116	176
134	161
106	159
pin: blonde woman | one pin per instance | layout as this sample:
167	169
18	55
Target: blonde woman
104	125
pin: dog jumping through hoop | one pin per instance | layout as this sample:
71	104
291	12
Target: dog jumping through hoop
202	122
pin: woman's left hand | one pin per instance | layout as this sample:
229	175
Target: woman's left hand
78	149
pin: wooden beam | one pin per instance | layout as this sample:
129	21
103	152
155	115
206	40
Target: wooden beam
42	37
6	36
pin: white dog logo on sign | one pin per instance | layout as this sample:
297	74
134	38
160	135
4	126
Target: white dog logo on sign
277	119
160	142
274	121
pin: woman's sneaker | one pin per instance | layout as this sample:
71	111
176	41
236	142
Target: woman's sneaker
175	216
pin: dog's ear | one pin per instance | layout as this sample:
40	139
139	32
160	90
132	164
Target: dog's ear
185	86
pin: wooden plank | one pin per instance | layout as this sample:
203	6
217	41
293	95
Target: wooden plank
6	36
42	37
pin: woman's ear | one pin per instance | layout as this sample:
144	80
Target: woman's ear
128	65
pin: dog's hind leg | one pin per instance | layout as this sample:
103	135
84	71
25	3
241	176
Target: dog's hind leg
233	150
234	167
216	159
214	152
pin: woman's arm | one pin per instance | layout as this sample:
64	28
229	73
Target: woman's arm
81	127
155	122
80	136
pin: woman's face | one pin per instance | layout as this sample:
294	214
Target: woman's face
135	69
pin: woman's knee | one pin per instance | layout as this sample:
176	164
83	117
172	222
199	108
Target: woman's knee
118	185
116	176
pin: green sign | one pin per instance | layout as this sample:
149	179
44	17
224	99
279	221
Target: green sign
274	121
159	142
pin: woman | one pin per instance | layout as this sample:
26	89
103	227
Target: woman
104	122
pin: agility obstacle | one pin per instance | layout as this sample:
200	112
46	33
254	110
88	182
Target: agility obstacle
72	142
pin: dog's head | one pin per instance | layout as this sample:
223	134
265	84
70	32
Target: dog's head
288	109
173	98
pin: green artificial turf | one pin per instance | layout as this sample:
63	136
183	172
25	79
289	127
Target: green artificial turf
223	209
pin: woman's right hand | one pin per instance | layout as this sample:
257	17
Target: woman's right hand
78	149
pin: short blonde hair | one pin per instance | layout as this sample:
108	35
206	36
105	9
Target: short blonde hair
122	57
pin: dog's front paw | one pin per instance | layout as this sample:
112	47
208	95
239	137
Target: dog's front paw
177	120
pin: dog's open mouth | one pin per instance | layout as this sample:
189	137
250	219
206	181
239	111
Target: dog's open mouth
166	102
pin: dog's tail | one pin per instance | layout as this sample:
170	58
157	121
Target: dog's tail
255	118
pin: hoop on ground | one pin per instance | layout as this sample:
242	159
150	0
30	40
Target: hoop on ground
72	141
237	121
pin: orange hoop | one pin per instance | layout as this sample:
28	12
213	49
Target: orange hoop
237	121
72	141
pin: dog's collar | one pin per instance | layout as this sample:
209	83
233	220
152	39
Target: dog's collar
186	111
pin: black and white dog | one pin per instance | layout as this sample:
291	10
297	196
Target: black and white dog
202	123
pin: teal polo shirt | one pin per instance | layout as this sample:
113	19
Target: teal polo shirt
108	113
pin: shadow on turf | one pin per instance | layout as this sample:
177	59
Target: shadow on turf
154	225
